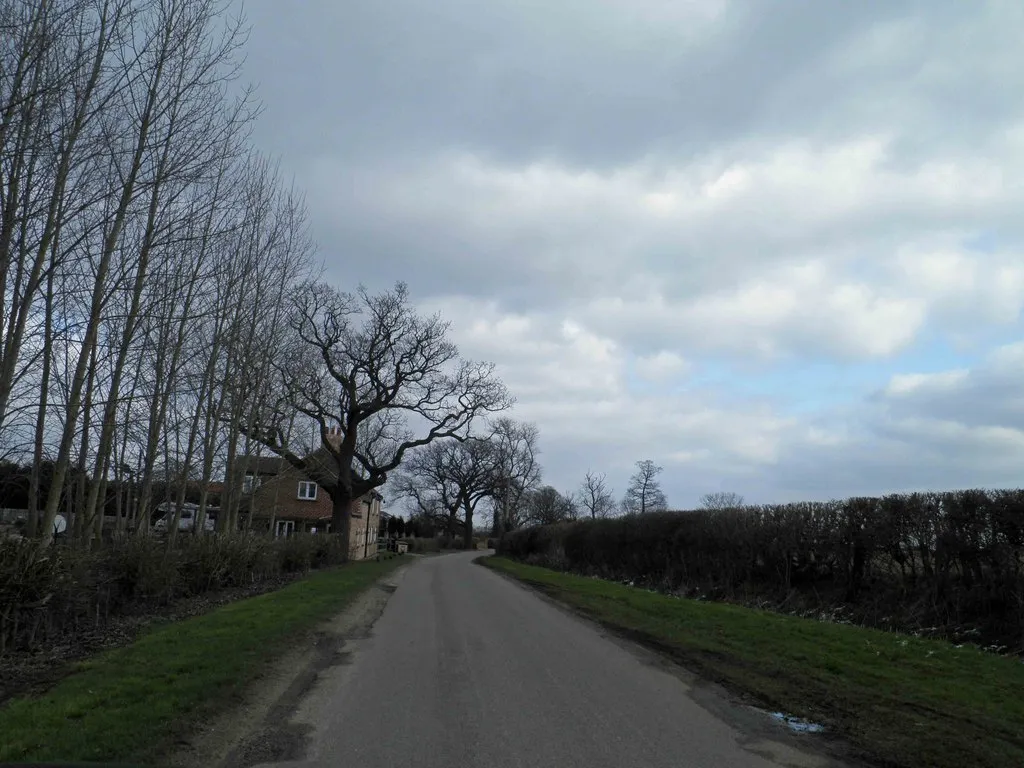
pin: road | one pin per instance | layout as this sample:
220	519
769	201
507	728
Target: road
465	668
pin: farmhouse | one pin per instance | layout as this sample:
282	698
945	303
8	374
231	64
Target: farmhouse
285	501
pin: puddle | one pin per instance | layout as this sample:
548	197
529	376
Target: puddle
796	724
793	723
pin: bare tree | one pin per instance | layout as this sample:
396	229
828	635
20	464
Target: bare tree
545	506
147	256
457	474
721	500
595	497
518	471
167	121
644	493
425	479
378	380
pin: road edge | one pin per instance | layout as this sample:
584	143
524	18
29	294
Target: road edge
256	729
736	707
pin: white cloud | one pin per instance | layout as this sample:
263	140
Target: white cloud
910	383
661	367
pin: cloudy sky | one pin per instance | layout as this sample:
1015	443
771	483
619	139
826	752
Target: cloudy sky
774	246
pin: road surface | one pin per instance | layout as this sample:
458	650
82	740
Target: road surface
465	668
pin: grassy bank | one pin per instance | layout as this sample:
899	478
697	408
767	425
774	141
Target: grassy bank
904	701
129	703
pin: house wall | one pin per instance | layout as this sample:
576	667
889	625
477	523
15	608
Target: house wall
364	528
277	498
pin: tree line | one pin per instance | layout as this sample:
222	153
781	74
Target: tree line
498	470
161	303
164	314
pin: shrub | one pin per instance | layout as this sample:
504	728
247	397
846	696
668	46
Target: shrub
422	545
141	567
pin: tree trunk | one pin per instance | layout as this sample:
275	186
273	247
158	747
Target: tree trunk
467	507
341	518
40	433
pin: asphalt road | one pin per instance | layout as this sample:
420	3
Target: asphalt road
465	668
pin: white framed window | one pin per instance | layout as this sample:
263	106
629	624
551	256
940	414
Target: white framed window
250	483
284	528
307	490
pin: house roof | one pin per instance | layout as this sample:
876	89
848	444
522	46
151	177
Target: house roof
259	465
320	459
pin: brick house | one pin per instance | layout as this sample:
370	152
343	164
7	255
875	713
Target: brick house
285	501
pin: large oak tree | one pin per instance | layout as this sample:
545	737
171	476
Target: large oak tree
377	379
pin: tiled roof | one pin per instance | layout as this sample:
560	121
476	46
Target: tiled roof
260	465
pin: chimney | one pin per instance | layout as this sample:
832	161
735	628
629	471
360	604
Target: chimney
334	435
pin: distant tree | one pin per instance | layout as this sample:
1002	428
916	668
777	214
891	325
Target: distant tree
721	500
423	525
644	493
594	496
518	471
457	474
392	526
546	505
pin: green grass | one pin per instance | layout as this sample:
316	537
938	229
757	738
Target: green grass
129	704
901	700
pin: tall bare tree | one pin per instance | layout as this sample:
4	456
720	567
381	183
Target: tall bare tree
644	493
595	497
518	470
165	119
378	380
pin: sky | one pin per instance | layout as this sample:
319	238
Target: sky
776	247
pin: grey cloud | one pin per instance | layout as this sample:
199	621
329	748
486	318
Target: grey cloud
990	396
365	100
574	79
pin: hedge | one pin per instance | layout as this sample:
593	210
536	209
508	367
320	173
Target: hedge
49	595
945	564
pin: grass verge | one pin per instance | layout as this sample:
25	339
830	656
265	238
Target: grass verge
130	703
902	701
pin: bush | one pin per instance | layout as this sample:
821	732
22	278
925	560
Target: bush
142	568
46	595
952	562
422	545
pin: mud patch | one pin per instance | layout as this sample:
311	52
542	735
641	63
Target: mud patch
277	744
279	740
786	756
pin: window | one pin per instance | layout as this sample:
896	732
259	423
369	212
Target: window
284	528
307	490
250	483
